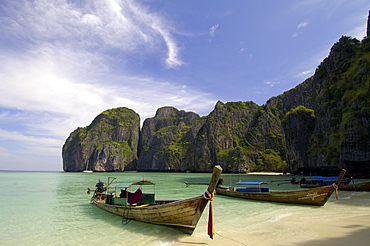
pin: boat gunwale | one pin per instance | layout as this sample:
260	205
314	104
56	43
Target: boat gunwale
298	197
190	209
150	206
363	186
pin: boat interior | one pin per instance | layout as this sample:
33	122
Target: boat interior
128	197
252	187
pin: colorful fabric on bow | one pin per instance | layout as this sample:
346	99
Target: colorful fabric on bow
209	196
336	191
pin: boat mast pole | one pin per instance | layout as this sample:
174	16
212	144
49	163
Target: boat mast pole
215	177
341	175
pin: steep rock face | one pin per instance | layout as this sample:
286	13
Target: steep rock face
298	125
165	139
239	136
338	93
109	143
321	123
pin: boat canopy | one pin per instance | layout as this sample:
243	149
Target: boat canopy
313	177
329	178
250	183
128	184
320	179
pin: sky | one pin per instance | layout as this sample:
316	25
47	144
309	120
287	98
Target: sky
63	62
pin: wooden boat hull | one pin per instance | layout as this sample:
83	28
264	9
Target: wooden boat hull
365	186
316	196
181	214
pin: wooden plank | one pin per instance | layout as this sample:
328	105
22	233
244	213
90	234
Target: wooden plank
184	213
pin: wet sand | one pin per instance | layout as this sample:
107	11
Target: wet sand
354	231
333	232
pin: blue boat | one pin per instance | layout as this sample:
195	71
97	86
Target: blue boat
260	191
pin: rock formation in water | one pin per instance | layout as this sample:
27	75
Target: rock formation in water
337	134
321	125
109	143
165	140
240	136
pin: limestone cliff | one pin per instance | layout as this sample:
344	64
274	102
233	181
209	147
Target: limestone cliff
109	143
338	94
240	136
165	139
321	124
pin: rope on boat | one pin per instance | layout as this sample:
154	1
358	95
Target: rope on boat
125	219
93	196
216	233
209	196
232	239
336	191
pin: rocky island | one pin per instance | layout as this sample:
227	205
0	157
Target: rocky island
321	125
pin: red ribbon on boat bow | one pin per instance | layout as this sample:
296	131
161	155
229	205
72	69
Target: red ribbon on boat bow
209	196
336	191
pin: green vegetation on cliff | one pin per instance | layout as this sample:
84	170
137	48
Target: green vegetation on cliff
322	122
109	143
346	95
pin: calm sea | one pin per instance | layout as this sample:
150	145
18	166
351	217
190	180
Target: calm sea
52	208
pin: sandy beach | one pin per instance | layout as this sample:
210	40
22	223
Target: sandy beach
333	232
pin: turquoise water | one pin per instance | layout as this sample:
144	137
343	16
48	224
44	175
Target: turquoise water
46	208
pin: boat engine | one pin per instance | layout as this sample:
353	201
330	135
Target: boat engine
100	186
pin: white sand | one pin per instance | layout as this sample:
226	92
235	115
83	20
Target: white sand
334	232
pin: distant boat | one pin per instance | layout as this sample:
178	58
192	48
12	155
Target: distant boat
258	191
365	186
317	181
182	214
87	170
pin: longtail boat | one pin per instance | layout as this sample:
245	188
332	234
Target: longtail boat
316	181
347	185
364	186
182	214
316	196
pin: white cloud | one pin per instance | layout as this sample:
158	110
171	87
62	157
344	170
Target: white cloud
305	73
303	24
122	25
358	32
68	72
33	144
57	74
213	30
37	85
50	107
270	83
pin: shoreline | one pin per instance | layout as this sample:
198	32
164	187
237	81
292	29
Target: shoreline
353	230
269	173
